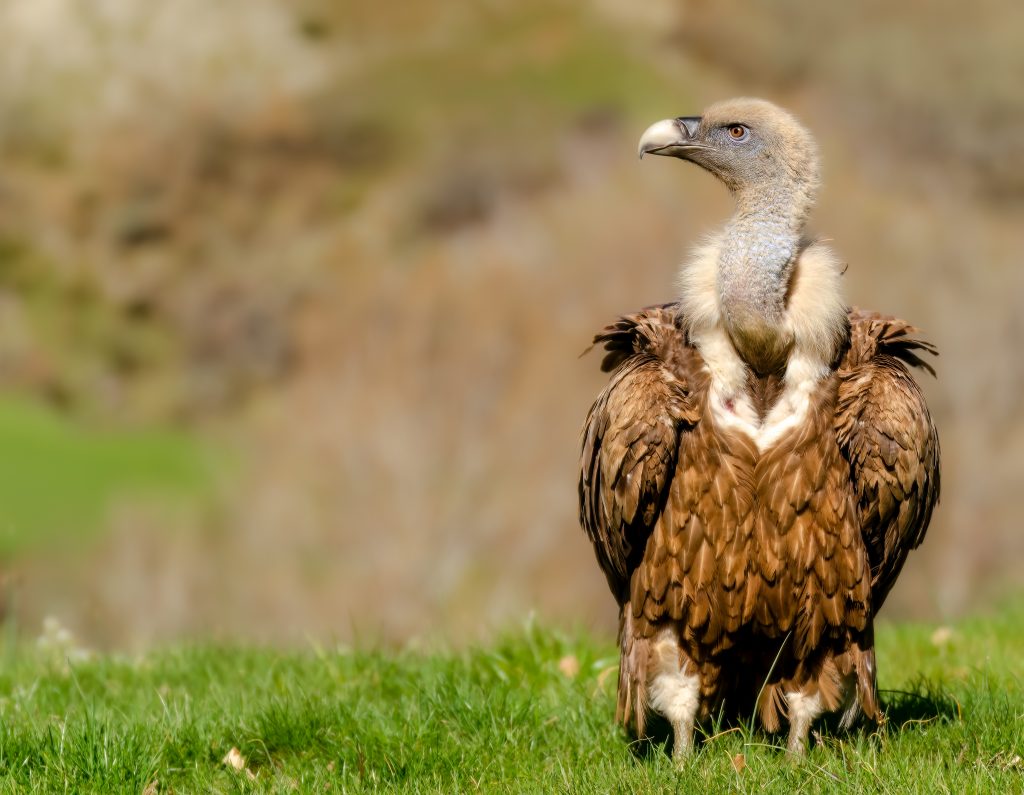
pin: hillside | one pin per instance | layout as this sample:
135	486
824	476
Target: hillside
340	260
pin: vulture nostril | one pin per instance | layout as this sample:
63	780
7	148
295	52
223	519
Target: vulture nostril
690	124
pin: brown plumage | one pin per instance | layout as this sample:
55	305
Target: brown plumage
760	463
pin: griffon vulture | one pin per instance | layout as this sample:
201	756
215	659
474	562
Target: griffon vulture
761	462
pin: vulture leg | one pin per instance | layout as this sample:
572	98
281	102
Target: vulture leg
674	690
804	708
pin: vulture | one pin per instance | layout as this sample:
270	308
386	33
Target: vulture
761	461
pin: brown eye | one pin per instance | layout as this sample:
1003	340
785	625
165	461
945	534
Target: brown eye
737	132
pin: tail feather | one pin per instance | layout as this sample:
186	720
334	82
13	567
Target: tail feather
634	653
866	702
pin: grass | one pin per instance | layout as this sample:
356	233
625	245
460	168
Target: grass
503	718
59	478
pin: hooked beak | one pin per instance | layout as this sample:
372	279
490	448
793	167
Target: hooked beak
671	137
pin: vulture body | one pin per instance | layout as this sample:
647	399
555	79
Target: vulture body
760	463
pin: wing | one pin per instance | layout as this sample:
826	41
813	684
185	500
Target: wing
887	435
631	439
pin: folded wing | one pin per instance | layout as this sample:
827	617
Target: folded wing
631	439
887	435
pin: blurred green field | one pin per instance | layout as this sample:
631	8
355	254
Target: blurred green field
59	478
531	712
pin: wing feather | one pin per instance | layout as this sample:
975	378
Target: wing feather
631	442
886	434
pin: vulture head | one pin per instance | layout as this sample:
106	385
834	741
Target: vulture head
751	145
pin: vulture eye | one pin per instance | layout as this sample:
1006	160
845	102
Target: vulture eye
738	132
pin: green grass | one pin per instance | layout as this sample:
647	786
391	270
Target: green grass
58	478
500	718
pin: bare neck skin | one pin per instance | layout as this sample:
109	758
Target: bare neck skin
759	251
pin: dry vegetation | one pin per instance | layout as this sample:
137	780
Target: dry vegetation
363	247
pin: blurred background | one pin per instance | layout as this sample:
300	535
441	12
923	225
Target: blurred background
292	294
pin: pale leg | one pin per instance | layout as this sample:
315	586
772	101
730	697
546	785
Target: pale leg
674	692
804	709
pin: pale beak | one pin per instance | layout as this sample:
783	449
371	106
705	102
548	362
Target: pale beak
670	136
